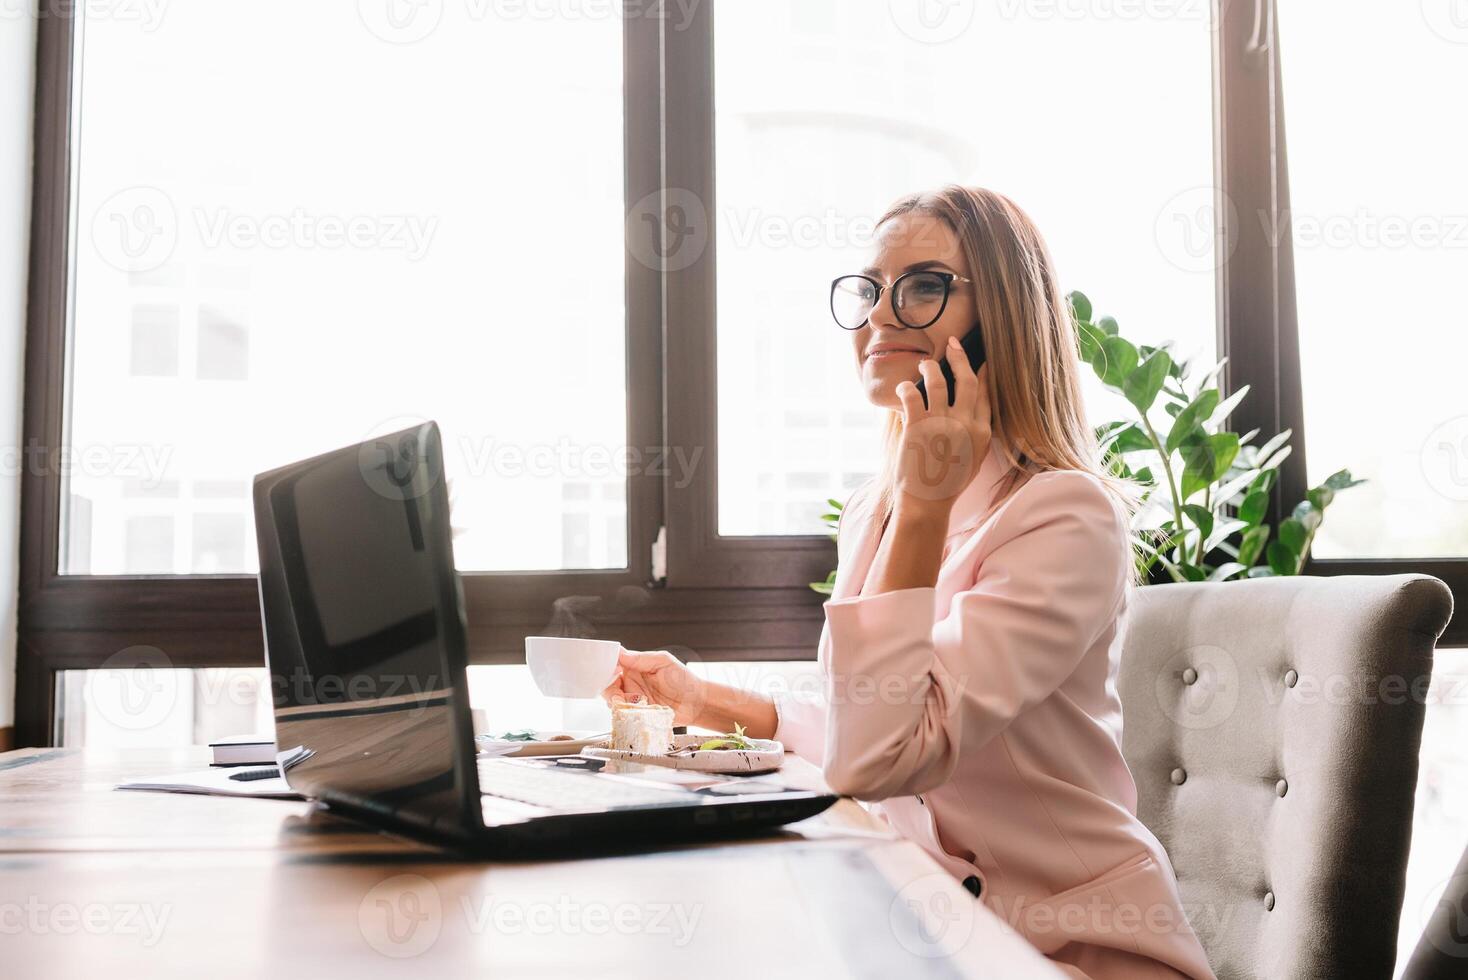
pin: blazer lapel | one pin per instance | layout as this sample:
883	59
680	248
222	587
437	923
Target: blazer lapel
862	523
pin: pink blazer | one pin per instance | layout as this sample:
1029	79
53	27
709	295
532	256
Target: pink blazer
983	715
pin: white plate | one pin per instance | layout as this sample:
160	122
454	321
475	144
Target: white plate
544	745
767	756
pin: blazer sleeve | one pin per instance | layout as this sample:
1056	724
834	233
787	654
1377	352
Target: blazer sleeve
801	724
905	692
801	714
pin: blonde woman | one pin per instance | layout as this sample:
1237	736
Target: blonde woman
971	641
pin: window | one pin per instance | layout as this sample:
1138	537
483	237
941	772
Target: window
1380	231
825	112
257	266
344	244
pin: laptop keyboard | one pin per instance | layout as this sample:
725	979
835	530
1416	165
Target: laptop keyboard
560	789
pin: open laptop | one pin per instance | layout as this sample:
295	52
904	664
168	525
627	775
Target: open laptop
365	636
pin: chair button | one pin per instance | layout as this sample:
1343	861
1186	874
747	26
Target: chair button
1291	678
974	885
1179	777
1190	676
1281	788
1269	901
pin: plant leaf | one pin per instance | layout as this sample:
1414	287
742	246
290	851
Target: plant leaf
1225	571
1202	518
1282	558
1191	417
1114	360
1253	544
1089	336
1292	533
1108	325
1226	407
1221	531
1079	304
1144	382
1279	457
1307	515
1321	497
1342	481
1206	459
1254	507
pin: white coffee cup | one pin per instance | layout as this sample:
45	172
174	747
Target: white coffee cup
569	667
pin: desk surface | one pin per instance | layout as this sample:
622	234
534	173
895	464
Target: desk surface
95	882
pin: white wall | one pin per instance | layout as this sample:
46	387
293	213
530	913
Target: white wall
17	96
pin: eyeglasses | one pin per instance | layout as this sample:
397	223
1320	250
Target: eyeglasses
918	298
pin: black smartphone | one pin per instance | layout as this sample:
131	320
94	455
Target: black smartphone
973	345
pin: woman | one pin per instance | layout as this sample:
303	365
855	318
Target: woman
971	642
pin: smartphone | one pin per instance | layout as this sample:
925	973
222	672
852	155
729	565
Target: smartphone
973	345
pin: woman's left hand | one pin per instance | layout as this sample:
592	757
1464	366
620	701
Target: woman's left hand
943	445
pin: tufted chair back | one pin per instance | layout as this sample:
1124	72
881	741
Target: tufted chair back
1272	726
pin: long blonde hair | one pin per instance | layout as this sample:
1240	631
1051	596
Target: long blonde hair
1039	417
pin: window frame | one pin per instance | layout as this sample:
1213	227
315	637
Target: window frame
698	555
1258	327
68	622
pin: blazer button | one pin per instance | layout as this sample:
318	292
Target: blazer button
1179	776
1291	678
1269	901
974	885
1281	788
1190	676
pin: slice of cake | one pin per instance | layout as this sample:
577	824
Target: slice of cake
643	728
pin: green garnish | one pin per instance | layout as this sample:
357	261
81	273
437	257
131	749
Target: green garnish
729	740
523	735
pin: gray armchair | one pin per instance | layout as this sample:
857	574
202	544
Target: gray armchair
1273	726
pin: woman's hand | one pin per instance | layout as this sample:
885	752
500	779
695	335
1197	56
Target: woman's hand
943	446
942	449
660	678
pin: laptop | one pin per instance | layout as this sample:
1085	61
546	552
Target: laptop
365	634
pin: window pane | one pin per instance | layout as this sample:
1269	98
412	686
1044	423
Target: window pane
1098	123
368	228
1380	226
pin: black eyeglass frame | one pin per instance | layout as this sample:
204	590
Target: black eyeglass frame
948	278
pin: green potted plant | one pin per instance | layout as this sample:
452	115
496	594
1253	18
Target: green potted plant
1205	490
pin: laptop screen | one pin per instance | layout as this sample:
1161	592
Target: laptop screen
364	630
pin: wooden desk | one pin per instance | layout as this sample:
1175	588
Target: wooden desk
95	882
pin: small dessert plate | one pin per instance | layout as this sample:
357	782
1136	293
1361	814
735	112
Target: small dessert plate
766	756
545	743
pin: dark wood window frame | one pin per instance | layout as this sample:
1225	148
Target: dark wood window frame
722	597
1257	319
77	622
